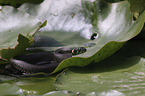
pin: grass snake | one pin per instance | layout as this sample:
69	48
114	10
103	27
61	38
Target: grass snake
43	61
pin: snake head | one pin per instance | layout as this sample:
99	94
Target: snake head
80	50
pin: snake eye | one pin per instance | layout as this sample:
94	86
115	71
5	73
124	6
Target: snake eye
74	51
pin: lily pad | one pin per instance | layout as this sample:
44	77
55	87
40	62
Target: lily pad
60	93
35	85
6	78
74	24
113	1
7	89
123	72
15	25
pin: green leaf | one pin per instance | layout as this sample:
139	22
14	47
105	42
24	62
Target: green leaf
16	26
7	89
60	93
141	35
36	85
73	25
27	85
6	78
114	1
122	73
23	43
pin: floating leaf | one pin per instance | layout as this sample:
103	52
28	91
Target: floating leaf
15	23
74	24
123	72
7	89
60	93
36	85
6	78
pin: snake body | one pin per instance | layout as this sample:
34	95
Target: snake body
43	61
